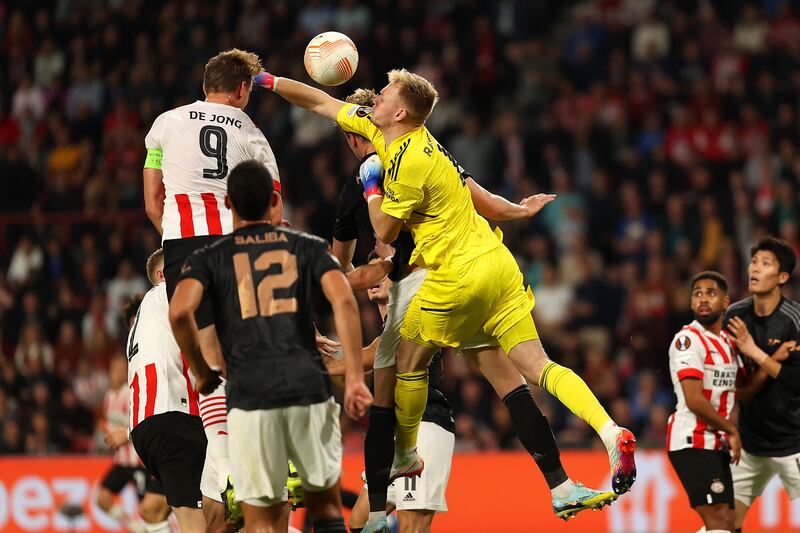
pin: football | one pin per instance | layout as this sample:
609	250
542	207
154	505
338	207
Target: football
331	58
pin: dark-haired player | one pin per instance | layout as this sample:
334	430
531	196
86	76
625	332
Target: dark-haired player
766	327
262	281
702	441
190	151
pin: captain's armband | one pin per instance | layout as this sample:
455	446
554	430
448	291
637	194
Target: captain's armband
153	159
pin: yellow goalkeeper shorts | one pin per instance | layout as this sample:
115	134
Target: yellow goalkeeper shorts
457	302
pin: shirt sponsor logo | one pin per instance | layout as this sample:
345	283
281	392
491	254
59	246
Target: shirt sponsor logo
391	195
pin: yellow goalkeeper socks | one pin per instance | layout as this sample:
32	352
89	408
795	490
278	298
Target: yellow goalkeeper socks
573	392
410	398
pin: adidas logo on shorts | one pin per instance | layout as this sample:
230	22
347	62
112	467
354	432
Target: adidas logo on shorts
409	497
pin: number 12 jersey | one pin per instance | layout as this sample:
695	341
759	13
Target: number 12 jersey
263	282
200	143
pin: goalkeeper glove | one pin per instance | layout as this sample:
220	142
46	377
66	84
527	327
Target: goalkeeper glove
370	174
266	80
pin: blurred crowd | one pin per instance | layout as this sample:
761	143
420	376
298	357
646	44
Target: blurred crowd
669	131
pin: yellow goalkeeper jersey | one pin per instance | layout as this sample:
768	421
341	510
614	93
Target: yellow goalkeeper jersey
425	187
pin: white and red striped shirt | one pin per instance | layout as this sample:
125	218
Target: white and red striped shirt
697	353
214	412
158	376
115	409
200	143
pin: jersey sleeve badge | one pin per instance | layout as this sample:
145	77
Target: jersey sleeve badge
683	343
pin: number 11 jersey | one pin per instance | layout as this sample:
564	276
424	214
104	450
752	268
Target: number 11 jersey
263	282
200	143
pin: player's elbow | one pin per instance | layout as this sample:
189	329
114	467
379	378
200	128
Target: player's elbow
695	403
387	232
179	315
153	211
346	304
356	279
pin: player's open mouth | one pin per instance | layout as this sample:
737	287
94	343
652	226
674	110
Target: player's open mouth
704	310
753	280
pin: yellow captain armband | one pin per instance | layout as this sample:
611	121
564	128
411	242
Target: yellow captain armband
153	159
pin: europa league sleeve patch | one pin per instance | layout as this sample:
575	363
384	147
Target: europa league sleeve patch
682	343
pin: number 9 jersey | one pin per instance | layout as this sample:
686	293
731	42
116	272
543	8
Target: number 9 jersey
195	146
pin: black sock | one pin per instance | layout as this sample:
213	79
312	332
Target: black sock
739	530
330	525
535	434
356	529
378	454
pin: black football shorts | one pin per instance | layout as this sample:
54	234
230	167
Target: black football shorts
175	253
705	474
172	447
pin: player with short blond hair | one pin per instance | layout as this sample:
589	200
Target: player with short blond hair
473	284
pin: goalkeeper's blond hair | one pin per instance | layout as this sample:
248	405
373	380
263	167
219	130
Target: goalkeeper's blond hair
418	93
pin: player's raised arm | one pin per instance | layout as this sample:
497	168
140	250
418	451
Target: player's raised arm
497	208
348	325
301	95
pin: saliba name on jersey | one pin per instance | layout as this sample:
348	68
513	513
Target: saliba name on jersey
219	119
265	238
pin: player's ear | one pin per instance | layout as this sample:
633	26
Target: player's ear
243	89
400	115
276	196
205	92
228	202
783	278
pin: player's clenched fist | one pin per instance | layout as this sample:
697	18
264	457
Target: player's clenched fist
208	381
357	399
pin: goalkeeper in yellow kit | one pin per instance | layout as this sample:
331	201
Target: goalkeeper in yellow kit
473	286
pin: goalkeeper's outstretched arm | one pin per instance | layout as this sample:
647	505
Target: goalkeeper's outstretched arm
301	95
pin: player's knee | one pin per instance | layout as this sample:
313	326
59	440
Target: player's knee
718	516
105	500
153	509
215	518
324	505
415	521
